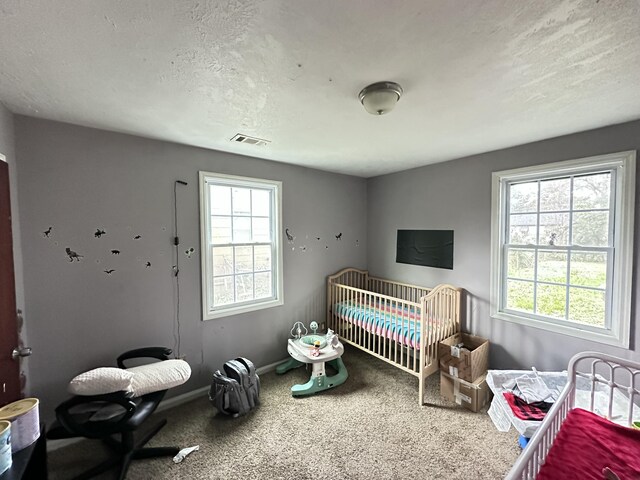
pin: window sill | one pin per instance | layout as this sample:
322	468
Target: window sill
228	312
604	336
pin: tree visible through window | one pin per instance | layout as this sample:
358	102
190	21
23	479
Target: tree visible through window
241	269
562	246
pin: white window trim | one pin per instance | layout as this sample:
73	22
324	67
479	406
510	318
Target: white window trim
625	164
208	313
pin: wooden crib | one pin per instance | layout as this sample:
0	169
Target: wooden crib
396	322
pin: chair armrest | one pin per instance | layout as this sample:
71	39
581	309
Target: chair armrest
161	353
97	429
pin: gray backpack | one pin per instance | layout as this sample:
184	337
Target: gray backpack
237	392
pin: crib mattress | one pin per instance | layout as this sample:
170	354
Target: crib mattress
587	443
383	318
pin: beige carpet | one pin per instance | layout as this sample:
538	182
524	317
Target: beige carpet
369	428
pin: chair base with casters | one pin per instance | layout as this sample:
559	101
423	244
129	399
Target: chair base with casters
117	428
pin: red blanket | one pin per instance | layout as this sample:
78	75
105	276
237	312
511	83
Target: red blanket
588	443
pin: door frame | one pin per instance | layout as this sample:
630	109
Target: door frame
10	383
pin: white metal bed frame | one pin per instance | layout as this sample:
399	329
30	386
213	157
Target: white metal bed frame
439	317
601	369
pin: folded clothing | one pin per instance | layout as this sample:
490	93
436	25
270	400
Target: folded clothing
533	389
527	411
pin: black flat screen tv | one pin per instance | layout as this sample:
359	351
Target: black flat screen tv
430	248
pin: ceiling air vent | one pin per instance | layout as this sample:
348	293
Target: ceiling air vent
240	138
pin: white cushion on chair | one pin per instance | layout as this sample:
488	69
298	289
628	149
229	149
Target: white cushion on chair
100	381
154	377
141	380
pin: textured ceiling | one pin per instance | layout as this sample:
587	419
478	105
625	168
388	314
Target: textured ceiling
477	75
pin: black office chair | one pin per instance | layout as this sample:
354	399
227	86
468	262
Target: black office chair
74	420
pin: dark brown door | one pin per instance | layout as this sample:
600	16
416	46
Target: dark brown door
9	367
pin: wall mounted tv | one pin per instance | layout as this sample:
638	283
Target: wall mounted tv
430	248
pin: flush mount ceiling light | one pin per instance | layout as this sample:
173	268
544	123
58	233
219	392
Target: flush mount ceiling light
380	98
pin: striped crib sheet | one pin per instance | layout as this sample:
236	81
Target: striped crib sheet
384	318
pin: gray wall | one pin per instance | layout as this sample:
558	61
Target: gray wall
77	180
457	195
7	148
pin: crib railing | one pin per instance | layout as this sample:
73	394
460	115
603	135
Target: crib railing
440	320
357	305
437	311
411	293
351	277
596	368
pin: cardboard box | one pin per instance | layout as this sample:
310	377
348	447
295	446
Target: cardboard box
472	396
467	362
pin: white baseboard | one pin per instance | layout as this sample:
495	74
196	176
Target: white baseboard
164	405
183	398
271	367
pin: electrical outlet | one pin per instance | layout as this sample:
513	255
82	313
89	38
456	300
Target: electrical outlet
323	326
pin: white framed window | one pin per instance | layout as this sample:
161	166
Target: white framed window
241	244
562	246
